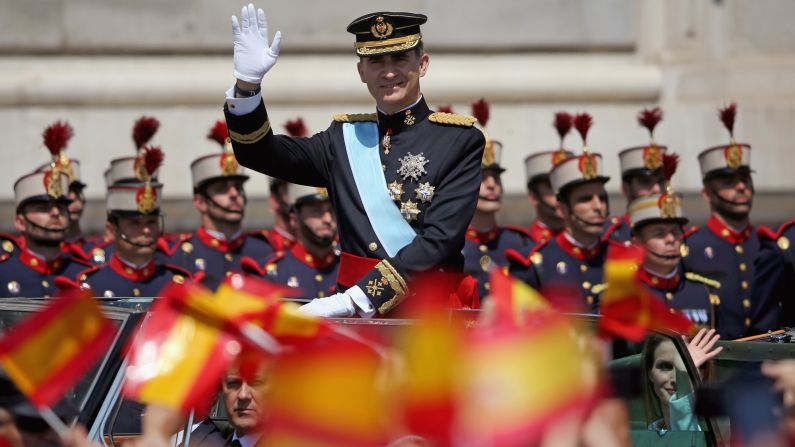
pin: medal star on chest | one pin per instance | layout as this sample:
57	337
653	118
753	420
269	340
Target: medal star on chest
412	166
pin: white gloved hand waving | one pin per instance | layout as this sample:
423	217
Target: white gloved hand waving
254	55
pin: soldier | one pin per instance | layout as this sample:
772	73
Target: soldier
539	191
403	182
216	247
486	242
136	222
310	263
30	265
641	173
280	236
575	256
657	223
56	138
774	279
726	248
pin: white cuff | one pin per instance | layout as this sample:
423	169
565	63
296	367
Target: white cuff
364	307
241	106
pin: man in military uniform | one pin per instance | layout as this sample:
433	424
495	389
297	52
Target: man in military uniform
576	256
539	191
641	173
403	182
657	223
215	248
726	248
486	242
30	265
310	263
136	222
774	279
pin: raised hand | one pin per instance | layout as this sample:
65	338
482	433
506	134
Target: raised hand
254	55
700	347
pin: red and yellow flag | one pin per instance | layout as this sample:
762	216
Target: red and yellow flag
177	360
629	310
514	302
327	394
49	352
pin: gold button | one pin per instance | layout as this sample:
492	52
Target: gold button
228	274
589	299
747	303
586	285
128	270
373	246
487	286
83	277
583	268
744	284
743	267
577	250
308	258
136	292
536	258
318	278
187	247
655	281
321	294
669	296
45	283
739	249
214	243
724	232
228	257
179	279
783	242
483	248
747	321
34	262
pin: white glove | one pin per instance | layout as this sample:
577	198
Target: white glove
335	306
253	55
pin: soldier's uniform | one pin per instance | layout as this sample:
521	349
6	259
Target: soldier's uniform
693	295
774	279
725	254
403	188
562	260
22	272
537	167
207	251
639	161
486	250
117	277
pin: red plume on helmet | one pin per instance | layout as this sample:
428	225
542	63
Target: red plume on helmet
583	123
445	109
727	115
480	110
296	128
153	158
56	137
649	118
219	133
144	129
669	164
563	122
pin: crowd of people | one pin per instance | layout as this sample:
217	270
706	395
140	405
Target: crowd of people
412	191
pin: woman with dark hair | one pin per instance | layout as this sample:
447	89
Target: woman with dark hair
668	399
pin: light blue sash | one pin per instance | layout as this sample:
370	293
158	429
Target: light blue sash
361	144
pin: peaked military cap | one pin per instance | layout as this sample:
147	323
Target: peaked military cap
386	32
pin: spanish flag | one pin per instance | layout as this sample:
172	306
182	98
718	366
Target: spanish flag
513	302
510	391
177	360
49	352
328	394
629	310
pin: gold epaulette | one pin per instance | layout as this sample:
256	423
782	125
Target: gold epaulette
355	117
452	119
698	278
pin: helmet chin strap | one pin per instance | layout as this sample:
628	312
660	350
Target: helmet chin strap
48	230
221	207
320	242
125	238
585	222
661	256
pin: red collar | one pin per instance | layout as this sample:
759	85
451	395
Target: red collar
728	234
579	253
482	238
133	274
658	282
41	265
541	232
311	260
224	246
